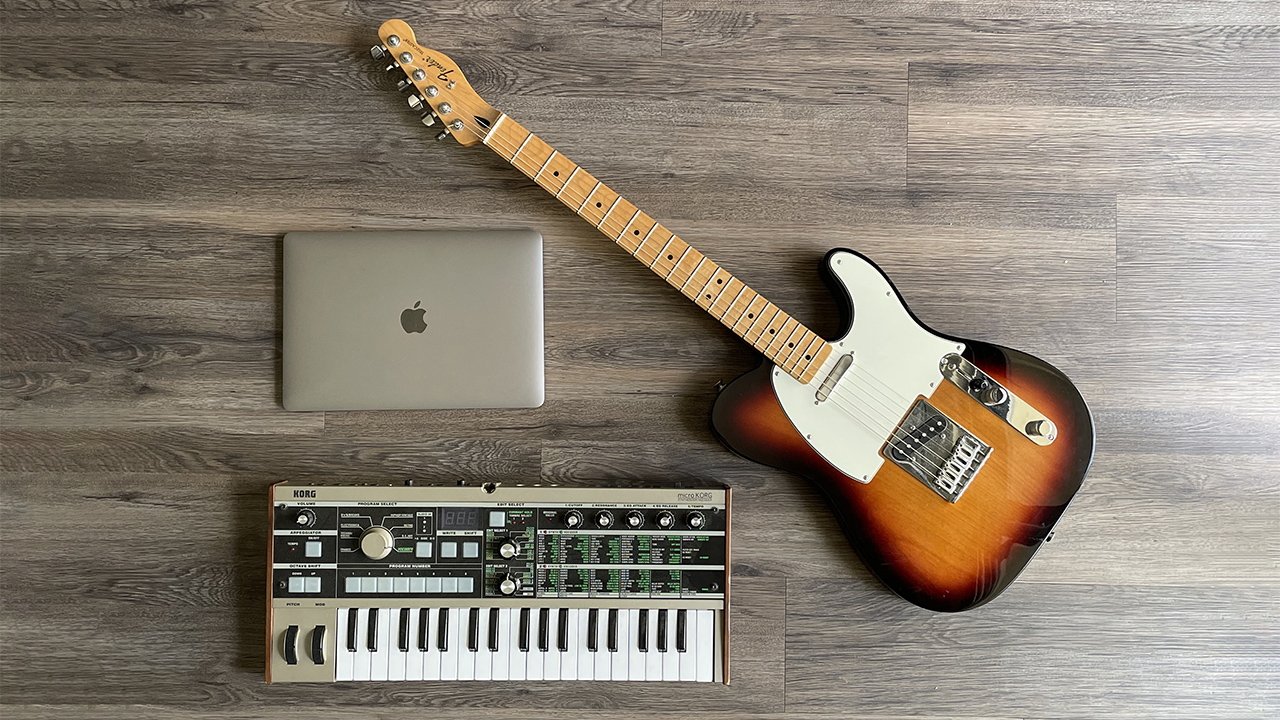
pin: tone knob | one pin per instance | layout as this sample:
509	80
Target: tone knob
509	585
305	518
509	548
376	543
635	519
666	520
993	395
573	519
604	519
1041	428
696	520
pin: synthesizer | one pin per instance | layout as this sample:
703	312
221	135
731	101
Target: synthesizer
421	582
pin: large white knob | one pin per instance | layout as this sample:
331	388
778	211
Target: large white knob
376	543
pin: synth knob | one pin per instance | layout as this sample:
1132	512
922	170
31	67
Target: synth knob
573	519
635	519
376	543
696	520
604	519
509	585
305	518
509	548
666	520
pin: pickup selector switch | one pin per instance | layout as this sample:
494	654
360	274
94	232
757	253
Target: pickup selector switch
509	584
696	520
666	520
635	519
509	548
573	519
604	519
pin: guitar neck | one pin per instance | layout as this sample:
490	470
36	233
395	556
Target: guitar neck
791	346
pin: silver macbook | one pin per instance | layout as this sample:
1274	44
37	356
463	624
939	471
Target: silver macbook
412	320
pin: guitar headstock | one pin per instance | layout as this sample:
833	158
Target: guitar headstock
436	88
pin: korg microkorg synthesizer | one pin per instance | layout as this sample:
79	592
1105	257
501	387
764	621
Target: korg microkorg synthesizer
384	581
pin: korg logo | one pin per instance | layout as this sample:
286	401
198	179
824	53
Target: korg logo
304	493
693	497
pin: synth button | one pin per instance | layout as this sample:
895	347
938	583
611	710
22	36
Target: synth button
442	630
573	519
291	645
297	584
385	584
523	643
368	585
434	584
682	619
422	549
466	585
402	632
613	630
642	631
471	550
371	638
544	629
666	520
353	629
311	585
593	627
449	585
562	631
493	629
401	585
473	630
604	519
317	645
353	584
662	631
635	519
448	549
314	548
695	520
418	585
424	625
497	518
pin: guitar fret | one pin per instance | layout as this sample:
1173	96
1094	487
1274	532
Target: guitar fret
802	349
587	199
494	129
544	164
635	215
764	328
731	302
645	239
790	343
567	181
606	212
723	286
809	352
748	312
517	152
780	334
695	269
679	260
659	255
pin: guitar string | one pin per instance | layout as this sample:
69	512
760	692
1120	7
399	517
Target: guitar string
891	423
888	426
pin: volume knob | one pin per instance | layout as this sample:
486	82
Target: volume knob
509	548
376	543
509	585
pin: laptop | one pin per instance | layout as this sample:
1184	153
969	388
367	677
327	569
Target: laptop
412	320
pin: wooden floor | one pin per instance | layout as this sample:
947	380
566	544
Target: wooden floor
1097	183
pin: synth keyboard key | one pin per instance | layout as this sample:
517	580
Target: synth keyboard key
398	654
686	630
483	653
414	656
662	631
603	658
493	629
515	658
682	626
667	648
352	629
642	631
402	631
371	631
363	658
705	642
562	630
551	655
473	630
635	624
612	643
442	630
344	664
620	648
450	656
501	656
653	658
431	655
593	624
424	627
380	664
466	652
544	629
586	660
524	629
567	624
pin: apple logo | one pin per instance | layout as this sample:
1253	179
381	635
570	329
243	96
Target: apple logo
412	319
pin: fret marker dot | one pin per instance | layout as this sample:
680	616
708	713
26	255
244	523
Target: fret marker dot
751	315
708	296
718	282
670	257
807	357
635	232
597	204
791	344
770	331
556	173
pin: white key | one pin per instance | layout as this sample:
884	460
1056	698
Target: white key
515	658
484	658
621	657
395	663
449	658
636	659
670	658
431	658
586	659
386	646
466	658
363	657
345	661
551	658
689	658
706	644
569	658
502	658
413	663
653	658
534	658
603	658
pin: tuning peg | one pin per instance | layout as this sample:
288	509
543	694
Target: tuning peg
378	52
428	118
392	67
415	102
404	86
443	134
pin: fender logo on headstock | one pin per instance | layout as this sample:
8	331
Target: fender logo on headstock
432	62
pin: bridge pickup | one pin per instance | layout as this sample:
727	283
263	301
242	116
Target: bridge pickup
935	450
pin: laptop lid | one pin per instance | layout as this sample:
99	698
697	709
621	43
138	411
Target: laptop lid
412	320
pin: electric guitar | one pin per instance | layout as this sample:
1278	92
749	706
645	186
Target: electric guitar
947	461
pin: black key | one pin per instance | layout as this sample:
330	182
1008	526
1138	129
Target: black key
562	632
662	631
291	645
353	619
473	630
493	629
681	617
372	640
593	624
442	631
402	635
613	629
642	639
317	645
544	629
524	629
424	623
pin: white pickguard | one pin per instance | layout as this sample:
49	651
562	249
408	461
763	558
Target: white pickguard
894	362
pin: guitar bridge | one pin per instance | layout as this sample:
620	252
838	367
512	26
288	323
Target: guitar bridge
937	451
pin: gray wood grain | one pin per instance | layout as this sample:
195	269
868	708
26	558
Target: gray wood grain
1093	182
